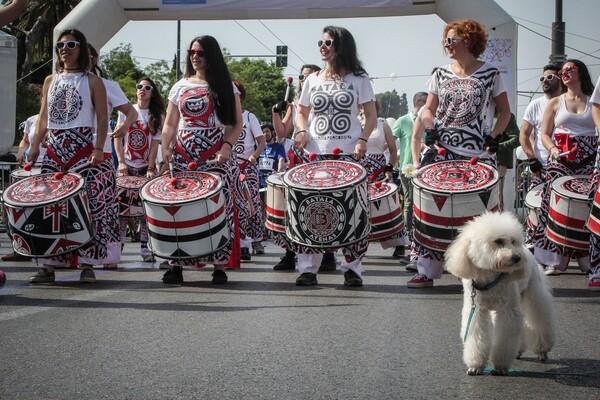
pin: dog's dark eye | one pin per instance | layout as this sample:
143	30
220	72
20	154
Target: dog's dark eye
499	242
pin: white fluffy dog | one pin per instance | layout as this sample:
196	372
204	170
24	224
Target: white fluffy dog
504	283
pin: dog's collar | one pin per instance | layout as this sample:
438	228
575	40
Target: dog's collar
490	285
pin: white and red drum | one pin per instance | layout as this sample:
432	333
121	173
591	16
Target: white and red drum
128	190
533	202
386	210
568	212
188	220
593	222
48	216
327	204
448	194
275	208
21	173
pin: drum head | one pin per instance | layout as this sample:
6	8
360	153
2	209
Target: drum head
384	190
328	174
131	182
20	173
42	189
191	186
534	197
275	179
573	187
456	176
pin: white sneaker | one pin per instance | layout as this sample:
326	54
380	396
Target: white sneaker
550	270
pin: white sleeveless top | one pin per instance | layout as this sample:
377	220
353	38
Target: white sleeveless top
574	124
70	102
376	142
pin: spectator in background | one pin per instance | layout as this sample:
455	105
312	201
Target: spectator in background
509	140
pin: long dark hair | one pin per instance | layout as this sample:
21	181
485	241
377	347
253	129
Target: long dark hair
83	61
587	86
346	56
156	107
95	69
217	76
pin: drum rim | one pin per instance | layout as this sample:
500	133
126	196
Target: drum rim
488	186
80	187
533	189
277	183
562	193
217	189
291	185
14	171
134	177
387	194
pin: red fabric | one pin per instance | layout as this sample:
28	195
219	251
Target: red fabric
235	261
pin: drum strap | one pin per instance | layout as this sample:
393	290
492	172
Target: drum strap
205	156
376	173
84	153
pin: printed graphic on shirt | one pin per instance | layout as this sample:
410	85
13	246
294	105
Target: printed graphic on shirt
64	104
197	108
332	103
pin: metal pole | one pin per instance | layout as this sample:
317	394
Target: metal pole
178	56
558	55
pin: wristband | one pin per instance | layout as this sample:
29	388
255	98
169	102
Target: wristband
300	131
229	143
363	139
99	148
550	150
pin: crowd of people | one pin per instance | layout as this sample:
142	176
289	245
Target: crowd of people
204	127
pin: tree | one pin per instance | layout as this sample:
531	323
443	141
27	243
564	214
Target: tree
163	76
264	84
403	104
34	31
390	104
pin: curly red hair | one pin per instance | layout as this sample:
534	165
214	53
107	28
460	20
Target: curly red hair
473	33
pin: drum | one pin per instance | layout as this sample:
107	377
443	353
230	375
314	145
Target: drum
20	173
128	189
188	220
327	204
448	194
533	202
48	216
275	208
386	211
593	222
568	212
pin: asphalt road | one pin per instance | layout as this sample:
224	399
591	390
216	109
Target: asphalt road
261	337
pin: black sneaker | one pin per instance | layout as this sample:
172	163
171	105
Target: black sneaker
287	262
351	279
246	254
173	276
306	279
219	277
398	252
328	263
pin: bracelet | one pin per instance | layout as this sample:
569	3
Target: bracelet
300	131
229	143
363	139
99	148
550	149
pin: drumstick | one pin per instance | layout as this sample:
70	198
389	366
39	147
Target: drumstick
192	166
573	151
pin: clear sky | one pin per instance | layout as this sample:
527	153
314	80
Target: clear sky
404	47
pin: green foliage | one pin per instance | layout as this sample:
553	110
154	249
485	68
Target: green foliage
28	103
391	105
118	64
163	76
264	84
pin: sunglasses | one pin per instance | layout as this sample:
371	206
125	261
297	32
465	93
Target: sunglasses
326	42
197	53
147	88
569	69
70	44
301	77
450	40
548	77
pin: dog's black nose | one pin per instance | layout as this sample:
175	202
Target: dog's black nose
515	259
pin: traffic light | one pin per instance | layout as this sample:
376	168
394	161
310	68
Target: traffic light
281	59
